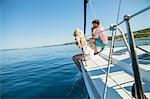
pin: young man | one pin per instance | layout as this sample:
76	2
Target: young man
97	29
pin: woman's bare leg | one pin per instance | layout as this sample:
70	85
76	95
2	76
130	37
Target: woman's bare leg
77	59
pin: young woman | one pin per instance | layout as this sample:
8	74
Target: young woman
81	42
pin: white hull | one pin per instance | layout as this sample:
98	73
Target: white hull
121	75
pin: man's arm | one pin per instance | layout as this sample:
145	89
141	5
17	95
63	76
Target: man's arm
92	33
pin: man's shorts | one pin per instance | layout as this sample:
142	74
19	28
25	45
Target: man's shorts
99	43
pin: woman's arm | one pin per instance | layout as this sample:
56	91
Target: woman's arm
78	41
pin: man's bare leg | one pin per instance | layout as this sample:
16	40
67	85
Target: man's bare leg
93	45
78	58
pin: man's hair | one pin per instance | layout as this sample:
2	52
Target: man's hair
96	21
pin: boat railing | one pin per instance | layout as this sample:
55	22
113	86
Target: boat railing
130	46
133	55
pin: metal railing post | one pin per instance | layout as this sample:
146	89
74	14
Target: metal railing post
124	39
112	28
134	58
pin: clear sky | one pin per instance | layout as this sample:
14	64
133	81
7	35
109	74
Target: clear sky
32	23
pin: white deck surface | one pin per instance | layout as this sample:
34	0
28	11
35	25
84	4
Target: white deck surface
121	81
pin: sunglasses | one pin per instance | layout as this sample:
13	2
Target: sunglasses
75	35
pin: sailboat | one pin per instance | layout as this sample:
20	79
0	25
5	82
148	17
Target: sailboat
121	72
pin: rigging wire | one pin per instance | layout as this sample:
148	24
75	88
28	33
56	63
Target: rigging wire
119	8
118	14
114	31
108	67
112	78
147	8
94	14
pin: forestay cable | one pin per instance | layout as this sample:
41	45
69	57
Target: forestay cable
94	14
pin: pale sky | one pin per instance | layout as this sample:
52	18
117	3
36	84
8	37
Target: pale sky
32	23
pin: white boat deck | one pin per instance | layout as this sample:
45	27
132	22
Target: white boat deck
120	78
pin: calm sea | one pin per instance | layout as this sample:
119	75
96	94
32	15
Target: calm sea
42	73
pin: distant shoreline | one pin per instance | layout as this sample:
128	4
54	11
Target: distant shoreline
30	47
62	45
143	34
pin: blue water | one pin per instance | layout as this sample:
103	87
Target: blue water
45	73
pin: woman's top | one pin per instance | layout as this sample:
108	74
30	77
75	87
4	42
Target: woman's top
82	44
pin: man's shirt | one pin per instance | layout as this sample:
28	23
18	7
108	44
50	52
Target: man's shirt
100	31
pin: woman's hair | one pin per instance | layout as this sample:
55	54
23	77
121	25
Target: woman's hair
79	32
80	37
